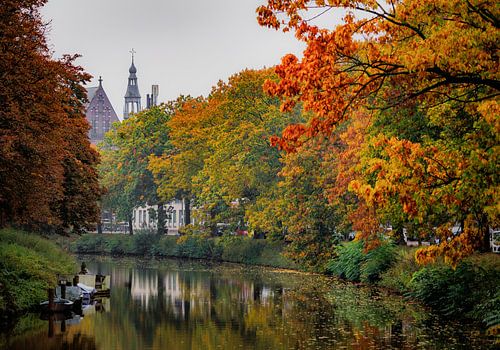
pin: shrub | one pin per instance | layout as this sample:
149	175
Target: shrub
455	292
347	263
377	261
353	264
144	241
241	249
272	255
166	247
117	246
398	276
197	247
90	243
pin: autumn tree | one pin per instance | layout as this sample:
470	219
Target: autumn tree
175	168
124	169
47	166
221	155
404	60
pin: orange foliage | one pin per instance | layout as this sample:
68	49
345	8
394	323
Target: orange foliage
47	167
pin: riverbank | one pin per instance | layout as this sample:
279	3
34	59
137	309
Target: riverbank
227	248
29	264
196	304
471	290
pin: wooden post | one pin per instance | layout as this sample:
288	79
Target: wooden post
51	325
50	292
63	291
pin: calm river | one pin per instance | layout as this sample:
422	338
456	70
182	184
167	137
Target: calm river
173	304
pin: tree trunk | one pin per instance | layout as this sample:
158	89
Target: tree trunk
213	224
399	238
187	211
112	223
160	225
485	233
130	228
99	227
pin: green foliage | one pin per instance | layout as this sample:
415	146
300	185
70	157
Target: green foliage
488	311
377	261
455	292
191	245
197	247
88	244
347	264
353	264
166	247
125	152
254	251
143	242
28	266
398	276
245	250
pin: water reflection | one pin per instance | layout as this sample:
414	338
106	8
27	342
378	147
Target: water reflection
179	305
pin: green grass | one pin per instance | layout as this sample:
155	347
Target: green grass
28	266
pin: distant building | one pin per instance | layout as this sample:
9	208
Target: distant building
100	113
132	96
144	220
152	100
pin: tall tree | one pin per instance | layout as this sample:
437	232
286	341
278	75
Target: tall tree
126	151
221	155
399	60
47	166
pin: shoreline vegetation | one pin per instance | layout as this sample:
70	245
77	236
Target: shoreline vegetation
471	291
29	264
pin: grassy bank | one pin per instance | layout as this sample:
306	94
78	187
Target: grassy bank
227	248
28	266
471	290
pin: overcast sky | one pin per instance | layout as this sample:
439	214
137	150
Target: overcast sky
184	46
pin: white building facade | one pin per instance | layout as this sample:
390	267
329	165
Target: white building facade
145	217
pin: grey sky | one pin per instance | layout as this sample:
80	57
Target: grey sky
184	46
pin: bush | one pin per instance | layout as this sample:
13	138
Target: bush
88	244
353	264
347	263
166	247
272	255
456	292
398	276
241	249
377	261
144	241
197	247
118	245
191	245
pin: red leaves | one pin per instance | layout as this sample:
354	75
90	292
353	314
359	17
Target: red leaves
47	165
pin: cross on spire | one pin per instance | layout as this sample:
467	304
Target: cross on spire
100	80
132	52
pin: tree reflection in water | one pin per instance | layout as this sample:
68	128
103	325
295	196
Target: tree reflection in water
190	305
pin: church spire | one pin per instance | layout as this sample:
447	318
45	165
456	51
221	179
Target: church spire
132	96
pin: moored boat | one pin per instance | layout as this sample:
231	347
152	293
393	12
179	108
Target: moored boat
60	305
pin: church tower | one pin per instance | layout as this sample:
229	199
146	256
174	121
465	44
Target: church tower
132	96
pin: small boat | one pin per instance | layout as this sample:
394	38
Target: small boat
86	291
60	305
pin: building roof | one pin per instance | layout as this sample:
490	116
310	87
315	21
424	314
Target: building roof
91	93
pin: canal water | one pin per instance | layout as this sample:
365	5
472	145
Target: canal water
173	304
